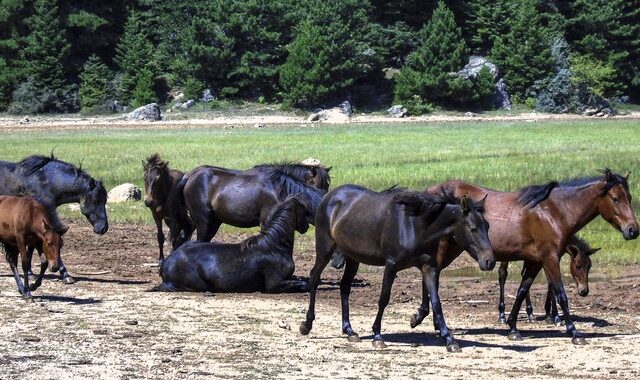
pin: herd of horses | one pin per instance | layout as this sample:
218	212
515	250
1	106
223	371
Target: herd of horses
396	228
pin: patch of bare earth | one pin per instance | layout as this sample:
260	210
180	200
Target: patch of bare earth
109	325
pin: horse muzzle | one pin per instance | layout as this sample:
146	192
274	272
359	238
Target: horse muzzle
149	202
583	291
630	233
100	229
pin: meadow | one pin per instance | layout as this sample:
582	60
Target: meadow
499	155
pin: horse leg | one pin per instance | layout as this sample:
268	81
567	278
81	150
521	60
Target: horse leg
350	271
385	294
551	309
160	236
26	266
324	249
502	278
430	278
529	273
12	257
43	267
337	260
66	277
423	310
206	230
555	279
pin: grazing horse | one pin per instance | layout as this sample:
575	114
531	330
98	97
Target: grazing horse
535	225
260	263
208	196
158	182
397	229
24	221
53	182
579	266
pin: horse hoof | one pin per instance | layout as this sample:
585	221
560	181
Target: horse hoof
453	347
514	336
414	321
304	330
27	297
579	341
379	343
502	320
354	338
68	280
33	287
530	319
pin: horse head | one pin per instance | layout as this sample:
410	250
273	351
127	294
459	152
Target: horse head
154	170
51	245
472	233
615	204
580	266
302	212
93	206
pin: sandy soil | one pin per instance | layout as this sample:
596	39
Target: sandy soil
109	325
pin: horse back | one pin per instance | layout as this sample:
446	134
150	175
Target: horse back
21	216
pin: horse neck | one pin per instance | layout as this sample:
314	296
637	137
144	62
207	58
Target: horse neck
69	188
578	206
278	235
167	182
443	225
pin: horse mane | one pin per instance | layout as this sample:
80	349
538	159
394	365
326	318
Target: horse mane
288	185
613	180
33	163
276	228
531	196
298	171
416	203
154	161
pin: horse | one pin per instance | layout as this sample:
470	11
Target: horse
158	182
535	224
262	262
53	182
579	267
397	229
208	196
24	221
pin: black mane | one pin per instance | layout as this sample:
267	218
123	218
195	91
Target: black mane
288	185
531	196
298	171
155	162
275	229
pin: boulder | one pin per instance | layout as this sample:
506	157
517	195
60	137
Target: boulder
331	115
188	104
312	162
500	97
124	192
149	112
475	64
397	111
207	96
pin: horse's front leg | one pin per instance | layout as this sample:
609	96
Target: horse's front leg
12	257
551	309
555	279
390	270
430	277
350	271
43	267
423	310
502	278
160	236
529	273
66	277
26	267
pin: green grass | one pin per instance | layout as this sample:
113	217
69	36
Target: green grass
500	155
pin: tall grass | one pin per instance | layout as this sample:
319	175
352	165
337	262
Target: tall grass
500	155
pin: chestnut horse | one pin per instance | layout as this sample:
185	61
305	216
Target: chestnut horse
397	229
25	221
159	180
208	196
262	262
535	225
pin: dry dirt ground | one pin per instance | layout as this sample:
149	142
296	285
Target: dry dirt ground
110	325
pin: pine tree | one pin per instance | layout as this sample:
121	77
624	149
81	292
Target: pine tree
95	85
143	92
428	76
134	53
13	28
523	55
487	20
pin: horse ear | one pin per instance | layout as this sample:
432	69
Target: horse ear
607	175
626	178
464	203
482	201
572	250
46	226
314	171
328	169
593	250
145	166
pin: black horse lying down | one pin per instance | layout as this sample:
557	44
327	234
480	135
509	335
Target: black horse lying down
260	263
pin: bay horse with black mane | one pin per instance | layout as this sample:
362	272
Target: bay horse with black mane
53	182
535	225
260	263
208	196
397	229
25	221
159	180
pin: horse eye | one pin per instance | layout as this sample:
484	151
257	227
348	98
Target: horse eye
474	230
615	199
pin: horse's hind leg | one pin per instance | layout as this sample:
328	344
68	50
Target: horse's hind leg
529	273
350	271
551	309
324	248
555	279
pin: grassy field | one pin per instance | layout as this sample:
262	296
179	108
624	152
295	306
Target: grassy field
500	155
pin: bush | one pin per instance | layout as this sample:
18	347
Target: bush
143	93
192	88
28	98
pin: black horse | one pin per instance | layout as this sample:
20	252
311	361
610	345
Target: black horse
53	182
208	196
396	229
260	263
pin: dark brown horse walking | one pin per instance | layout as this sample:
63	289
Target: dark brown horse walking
208	196
397	229
159	180
25	222
535	224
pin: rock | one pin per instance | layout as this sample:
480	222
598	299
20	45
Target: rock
470	114
590	111
258	125
150	112
124	192
188	104
331	115
74	206
179	98
473	67
500	97
599	114
207	96
312	162
346	108
25	120
398	111
284	325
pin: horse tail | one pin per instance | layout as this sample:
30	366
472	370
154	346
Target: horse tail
531	196
179	221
